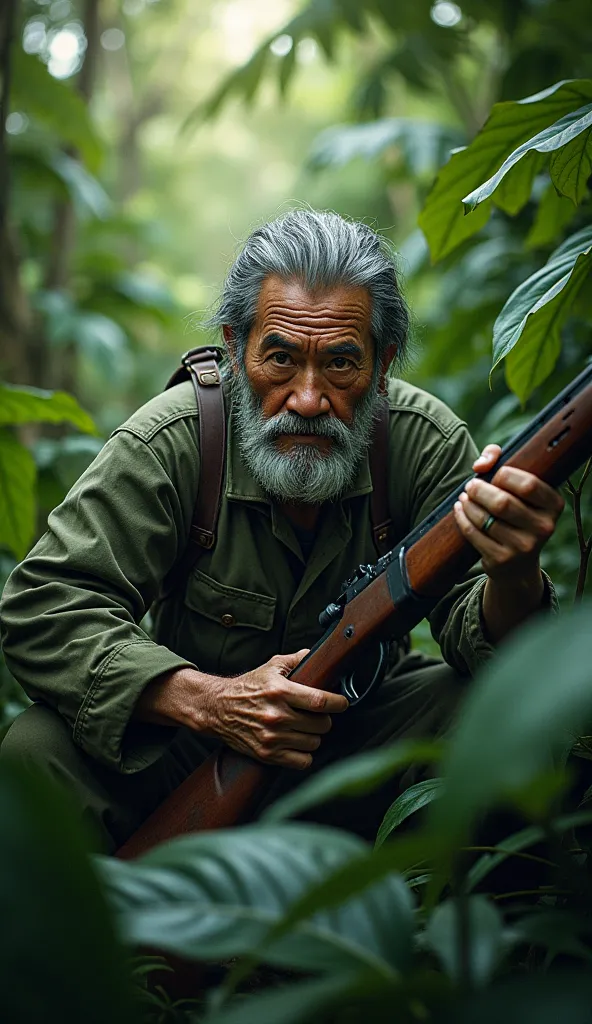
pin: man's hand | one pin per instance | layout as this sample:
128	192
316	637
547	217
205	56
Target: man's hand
260	713
519	514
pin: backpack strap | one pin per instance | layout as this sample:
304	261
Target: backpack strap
382	524
200	365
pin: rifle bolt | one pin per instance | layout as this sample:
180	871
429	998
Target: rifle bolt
330	614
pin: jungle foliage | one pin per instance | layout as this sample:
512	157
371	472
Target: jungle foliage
455	914
452	919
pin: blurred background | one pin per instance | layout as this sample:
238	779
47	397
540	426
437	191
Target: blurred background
142	140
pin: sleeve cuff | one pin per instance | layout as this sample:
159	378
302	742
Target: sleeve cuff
475	647
104	727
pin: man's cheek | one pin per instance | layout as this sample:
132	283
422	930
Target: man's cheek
272	400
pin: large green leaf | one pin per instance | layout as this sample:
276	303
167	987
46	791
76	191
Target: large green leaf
514	190
88	195
574	129
102	340
555	930
291	1004
518	712
353	998
36	169
508	126
17	495
527	331
514	844
320	19
534	998
571	166
145	292
554	213
424	145
404	854
485	939
66	458
354	775
410	801
223	894
32	405
59	956
55	105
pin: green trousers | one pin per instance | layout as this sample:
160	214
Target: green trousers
417	698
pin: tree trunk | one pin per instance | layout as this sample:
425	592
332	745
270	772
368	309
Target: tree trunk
63	239
17	363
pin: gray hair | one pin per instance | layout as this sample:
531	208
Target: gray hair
322	250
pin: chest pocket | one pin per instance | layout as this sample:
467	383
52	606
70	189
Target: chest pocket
228	630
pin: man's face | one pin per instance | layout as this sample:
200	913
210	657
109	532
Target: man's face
305	396
310	354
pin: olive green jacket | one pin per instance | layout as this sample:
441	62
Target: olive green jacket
72	611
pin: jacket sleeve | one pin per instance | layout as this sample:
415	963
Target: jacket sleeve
71	612
457	622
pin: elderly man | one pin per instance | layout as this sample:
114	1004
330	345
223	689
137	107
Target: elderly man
312	318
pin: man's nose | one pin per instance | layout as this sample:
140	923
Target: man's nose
307	397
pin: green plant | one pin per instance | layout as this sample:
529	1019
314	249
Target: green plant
518	140
32	481
322	903
20	407
420	927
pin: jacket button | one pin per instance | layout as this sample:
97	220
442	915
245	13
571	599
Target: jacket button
227	620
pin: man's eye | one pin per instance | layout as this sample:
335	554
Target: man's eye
340	363
281	358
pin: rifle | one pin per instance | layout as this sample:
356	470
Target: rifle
379	604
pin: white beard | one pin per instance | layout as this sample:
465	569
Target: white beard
305	474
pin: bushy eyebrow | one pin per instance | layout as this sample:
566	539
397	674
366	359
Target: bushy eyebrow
276	341
337	348
345	348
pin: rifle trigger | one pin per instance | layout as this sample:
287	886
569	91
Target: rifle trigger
367	673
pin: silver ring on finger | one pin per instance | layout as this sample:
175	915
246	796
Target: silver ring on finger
488	524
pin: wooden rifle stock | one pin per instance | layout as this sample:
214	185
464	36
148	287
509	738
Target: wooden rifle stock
383	601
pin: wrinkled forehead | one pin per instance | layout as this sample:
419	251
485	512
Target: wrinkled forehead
289	306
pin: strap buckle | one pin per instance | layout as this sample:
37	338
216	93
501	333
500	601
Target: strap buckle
209	375
201	537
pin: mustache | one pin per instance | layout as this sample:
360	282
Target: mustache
317	426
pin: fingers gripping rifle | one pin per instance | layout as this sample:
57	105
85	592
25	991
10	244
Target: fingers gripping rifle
380	603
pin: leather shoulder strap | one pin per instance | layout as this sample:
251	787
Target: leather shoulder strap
201	366
382	524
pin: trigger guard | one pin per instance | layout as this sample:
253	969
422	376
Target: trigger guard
347	682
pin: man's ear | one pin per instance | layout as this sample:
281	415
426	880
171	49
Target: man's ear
228	335
385	362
